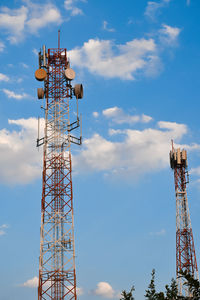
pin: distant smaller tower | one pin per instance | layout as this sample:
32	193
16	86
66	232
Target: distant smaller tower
185	250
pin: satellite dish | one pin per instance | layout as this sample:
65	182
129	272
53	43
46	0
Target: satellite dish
69	74
78	91
40	74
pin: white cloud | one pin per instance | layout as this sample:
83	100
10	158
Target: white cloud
95	114
117	115
106	28
129	61
11	94
104	289
2	46
19	80
25	66
29	18
195	171
79	291
42	16
178	129
3	77
70	5
158	233
13	22
169	34
4	226
19	159
153	8
35	51
146	119
105	58
27	124
31	283
112	131
154	66
3	229
2	232
137	152
130	21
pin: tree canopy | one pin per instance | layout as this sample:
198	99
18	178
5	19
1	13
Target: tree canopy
129	295
171	291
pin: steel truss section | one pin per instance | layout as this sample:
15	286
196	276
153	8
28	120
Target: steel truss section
57	277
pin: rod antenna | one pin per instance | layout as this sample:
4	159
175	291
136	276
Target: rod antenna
172	145
38	138
59	39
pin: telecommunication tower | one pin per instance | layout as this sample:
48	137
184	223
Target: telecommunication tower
185	250
57	276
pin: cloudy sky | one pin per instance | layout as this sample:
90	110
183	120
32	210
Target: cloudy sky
139	62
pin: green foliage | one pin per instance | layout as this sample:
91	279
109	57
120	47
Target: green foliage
160	296
193	285
172	291
151	291
128	296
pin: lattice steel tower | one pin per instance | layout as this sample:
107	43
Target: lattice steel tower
57	276
185	250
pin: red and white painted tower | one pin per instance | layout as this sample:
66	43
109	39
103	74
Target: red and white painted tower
185	250
57	276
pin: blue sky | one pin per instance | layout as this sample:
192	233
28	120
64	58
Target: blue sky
139	63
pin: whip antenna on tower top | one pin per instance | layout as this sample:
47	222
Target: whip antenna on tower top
59	39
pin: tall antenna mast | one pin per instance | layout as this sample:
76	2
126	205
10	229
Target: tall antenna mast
57	275
59	39
185	250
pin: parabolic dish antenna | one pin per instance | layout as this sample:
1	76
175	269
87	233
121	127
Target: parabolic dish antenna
69	74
